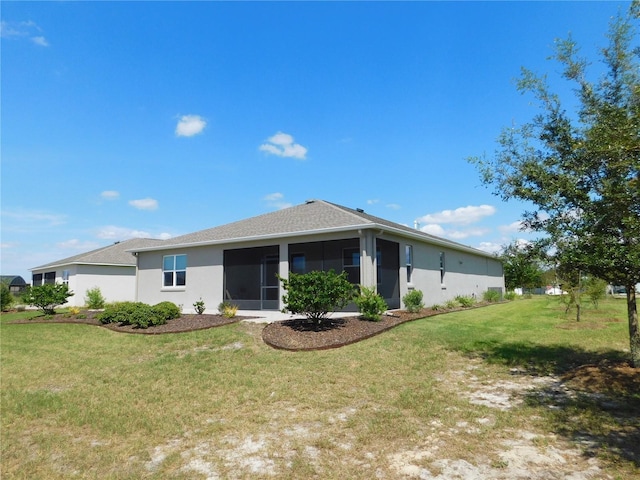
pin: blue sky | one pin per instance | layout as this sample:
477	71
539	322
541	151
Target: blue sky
130	119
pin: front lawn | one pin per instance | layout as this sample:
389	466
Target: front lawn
483	389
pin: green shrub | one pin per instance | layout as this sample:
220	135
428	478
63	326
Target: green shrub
94	299
316	293
510	296
491	296
451	304
167	310
227	309
47	297
436	307
596	290
413	301
465	301
138	314
6	299
199	307
370	304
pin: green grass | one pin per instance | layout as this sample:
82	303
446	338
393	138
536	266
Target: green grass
86	402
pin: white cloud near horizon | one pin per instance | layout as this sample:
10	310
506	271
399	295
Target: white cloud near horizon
276	200
113	232
489	247
283	145
190	125
75	244
144	204
459	216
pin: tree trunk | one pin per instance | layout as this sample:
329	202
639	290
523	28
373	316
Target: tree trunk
634	330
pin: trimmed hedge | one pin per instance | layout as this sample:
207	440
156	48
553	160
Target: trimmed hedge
139	314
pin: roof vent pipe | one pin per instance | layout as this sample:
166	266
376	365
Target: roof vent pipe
416	224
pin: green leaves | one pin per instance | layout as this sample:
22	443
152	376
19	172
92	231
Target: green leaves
47	297
316	293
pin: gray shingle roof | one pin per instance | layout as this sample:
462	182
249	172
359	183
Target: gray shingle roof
313	216
115	254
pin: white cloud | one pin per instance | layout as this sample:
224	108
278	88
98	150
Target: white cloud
433	229
516	226
27	29
21	220
489	247
373	201
470	232
190	125
110	195
113	232
276	200
75	244
459	216
393	206
164	236
283	145
40	41
144	204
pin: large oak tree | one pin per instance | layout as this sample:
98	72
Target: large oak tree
581	168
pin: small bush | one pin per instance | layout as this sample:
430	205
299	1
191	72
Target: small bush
451	304
199	307
74	310
436	307
465	301
413	301
167	310
138	314
317	293
227	309
370	304
94	299
491	296
510	296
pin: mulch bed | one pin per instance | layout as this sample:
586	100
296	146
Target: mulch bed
185	323
298	334
302	334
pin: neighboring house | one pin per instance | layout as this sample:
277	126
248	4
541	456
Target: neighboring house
16	283
239	261
112	269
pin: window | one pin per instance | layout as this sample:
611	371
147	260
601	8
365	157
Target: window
50	277
408	253
174	270
65	277
298	263
378	266
36	280
351	264
442	270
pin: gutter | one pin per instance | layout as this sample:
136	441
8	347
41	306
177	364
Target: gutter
372	226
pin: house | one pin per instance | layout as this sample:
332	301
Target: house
238	262
16	283
111	268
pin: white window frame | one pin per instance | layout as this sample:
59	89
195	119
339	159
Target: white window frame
174	271
408	256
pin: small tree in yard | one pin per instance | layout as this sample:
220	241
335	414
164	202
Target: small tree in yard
316	293
47	297
581	169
